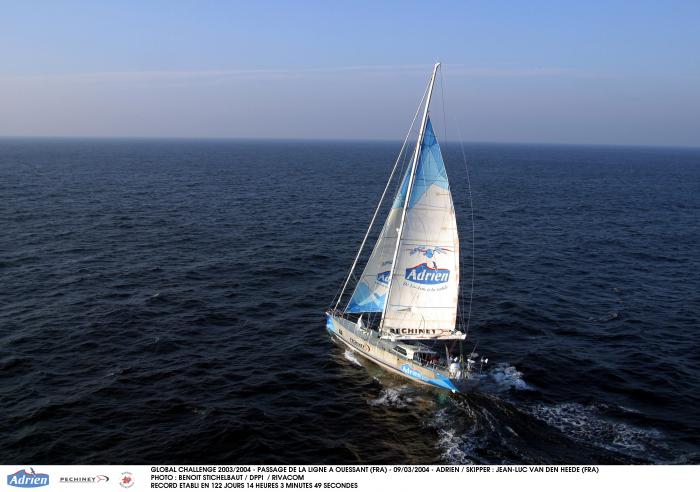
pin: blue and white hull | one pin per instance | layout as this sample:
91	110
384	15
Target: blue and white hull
387	354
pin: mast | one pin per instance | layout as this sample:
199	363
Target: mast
379	205
416	156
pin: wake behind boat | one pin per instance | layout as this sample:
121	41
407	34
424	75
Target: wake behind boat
403	312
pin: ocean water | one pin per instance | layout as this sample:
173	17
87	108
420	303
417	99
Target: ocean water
162	302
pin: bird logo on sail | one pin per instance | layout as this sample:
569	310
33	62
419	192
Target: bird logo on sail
429	251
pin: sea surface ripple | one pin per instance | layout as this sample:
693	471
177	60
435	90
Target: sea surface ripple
162	302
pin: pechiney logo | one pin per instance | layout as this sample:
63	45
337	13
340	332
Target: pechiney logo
423	274
127	480
84	479
27	480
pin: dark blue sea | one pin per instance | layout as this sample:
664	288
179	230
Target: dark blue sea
162	301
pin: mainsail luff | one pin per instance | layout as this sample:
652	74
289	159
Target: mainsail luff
416	156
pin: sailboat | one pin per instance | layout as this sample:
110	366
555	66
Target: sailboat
402	314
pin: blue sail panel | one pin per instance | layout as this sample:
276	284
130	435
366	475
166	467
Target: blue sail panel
430	170
364	300
401	195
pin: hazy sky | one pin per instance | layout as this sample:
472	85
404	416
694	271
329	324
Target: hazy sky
523	71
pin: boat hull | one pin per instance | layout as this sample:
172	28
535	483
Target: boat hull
367	344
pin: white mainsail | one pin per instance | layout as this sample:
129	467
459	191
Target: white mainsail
422	300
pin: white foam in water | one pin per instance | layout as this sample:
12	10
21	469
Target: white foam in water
351	357
454	448
506	377
392	397
629	410
585	423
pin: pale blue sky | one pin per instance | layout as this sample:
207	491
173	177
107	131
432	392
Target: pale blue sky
567	72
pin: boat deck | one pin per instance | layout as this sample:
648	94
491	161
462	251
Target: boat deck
409	360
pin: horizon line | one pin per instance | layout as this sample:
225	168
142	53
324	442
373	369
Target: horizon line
341	139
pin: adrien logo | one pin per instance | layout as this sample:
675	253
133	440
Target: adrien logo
27	480
383	277
423	274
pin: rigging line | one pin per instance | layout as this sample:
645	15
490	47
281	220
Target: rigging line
471	203
442	95
364	240
339	291
471	210
444	133
459	322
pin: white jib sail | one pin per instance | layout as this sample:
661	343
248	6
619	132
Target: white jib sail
369	295
422	302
